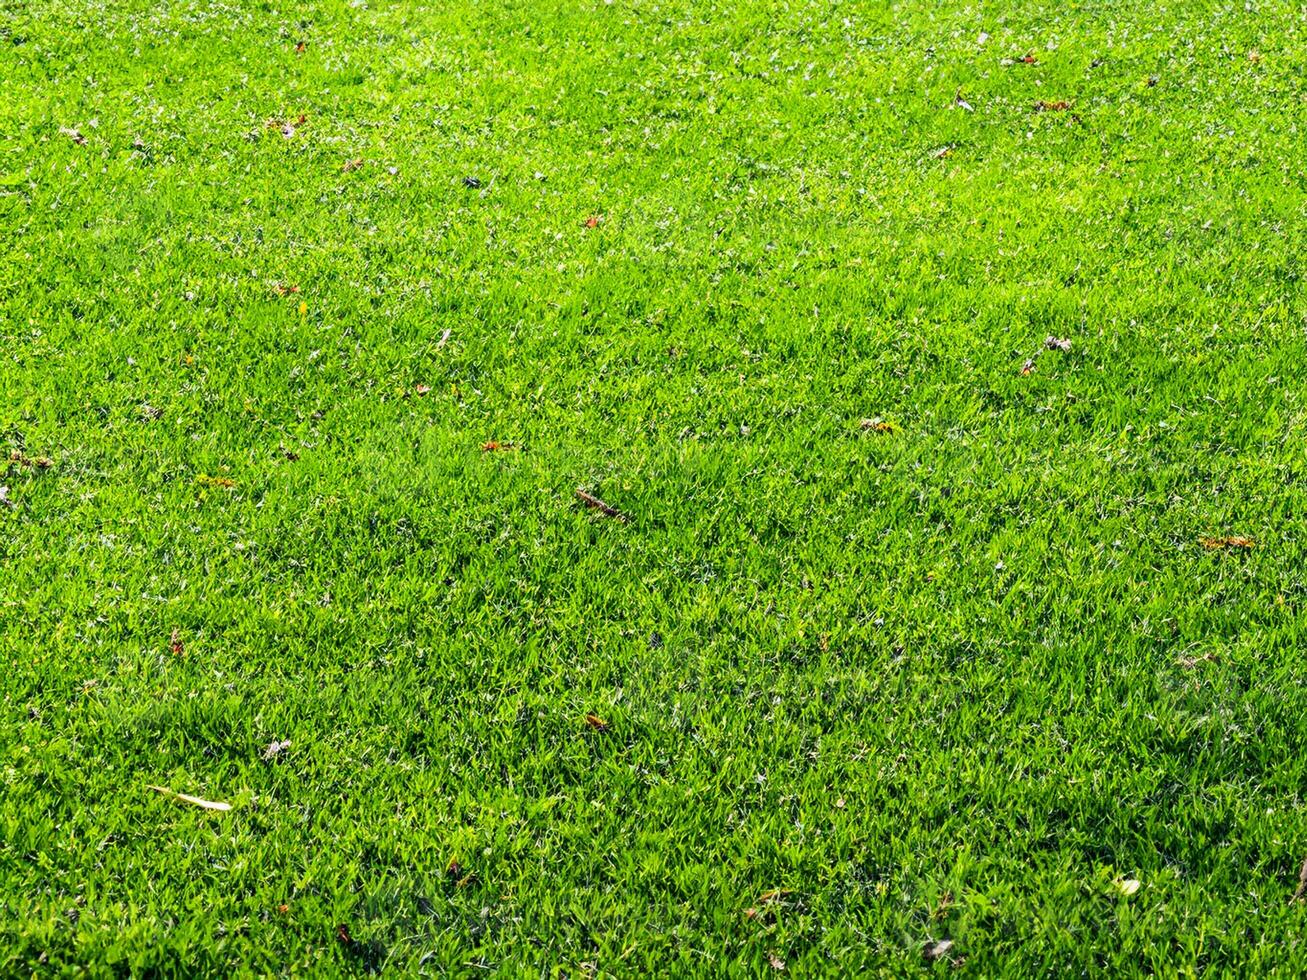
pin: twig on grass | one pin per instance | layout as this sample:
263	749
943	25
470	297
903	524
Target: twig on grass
590	500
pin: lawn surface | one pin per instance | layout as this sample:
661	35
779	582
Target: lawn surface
911	636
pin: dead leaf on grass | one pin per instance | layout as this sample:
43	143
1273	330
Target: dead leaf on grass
878	424
593	220
1302	884
1229	541
492	446
1060	105
351	165
19	458
593	502
175	643
597	723
937	950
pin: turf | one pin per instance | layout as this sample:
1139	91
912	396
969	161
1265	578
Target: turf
271	278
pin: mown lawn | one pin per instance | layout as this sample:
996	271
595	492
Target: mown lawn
921	628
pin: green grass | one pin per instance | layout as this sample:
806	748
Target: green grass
959	680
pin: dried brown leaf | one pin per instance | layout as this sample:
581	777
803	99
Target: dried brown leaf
595	503
597	723
1230	541
936	950
19	458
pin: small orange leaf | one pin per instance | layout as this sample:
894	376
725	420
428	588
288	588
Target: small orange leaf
1061	105
597	723
593	220
299	47
1028	59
